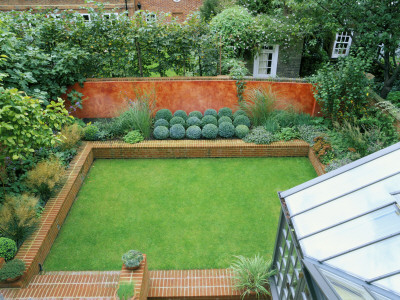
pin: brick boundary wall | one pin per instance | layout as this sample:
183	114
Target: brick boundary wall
35	249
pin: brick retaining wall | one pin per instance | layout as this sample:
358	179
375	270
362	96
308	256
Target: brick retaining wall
35	249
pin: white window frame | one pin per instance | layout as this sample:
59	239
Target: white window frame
151	17
335	48
274	65
86	14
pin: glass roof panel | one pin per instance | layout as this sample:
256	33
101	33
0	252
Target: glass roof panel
390	283
355	203
355	233
343	183
372	261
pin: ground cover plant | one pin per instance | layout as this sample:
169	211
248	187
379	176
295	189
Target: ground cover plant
184	214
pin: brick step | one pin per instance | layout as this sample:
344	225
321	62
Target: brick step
183	284
72	285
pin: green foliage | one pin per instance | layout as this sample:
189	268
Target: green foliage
209	9
210	131
241	120
193	132
191	121
164	113
177	132
337	163
70	136
126	290
252	275
196	113
177	120
161	122
132	258
342	90
18	218
12	269
90	132
8	248
181	113
241	131
224	119
259	135
208	119
226	130
257	6
309	132
239	112
287	134
133	137
211	112
394	97
259	105
161	132
225	111
26	126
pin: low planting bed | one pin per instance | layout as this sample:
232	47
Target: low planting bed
183	213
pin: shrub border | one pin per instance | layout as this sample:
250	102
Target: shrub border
35	249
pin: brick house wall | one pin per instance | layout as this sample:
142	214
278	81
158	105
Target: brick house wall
178	9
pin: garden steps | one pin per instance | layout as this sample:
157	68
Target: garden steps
71	285
199	284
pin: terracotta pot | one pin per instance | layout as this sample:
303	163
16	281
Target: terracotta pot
13	279
131	268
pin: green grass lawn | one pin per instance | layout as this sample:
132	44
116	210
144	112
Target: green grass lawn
183	213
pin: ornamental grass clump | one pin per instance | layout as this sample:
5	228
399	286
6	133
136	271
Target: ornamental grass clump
70	136
191	121
18	218
259	105
126	290
45	178
161	132
12	270
226	130
209	119
8	248
193	132
177	132
210	131
251	275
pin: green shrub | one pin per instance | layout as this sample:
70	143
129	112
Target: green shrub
259	135
252	275
8	248
126	290
241	131
161	132
164	113
309	132
181	113
394	97
90	133
133	137
211	112
12	269
224	119
196	113
209	119
177	120
193	132
225	111
241	120
18	218
177	131
161	122
191	121
287	134
226	130
239	112
259	105
210	131
132	258
271	125
111	128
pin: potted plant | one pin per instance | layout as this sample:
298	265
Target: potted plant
12	270
132	259
251	275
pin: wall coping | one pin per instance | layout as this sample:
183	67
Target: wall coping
204	78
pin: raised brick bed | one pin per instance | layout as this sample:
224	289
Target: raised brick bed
35	249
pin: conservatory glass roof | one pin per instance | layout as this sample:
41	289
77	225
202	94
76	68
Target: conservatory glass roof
349	219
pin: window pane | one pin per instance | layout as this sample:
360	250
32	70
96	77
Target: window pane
366	229
391	283
348	206
356	177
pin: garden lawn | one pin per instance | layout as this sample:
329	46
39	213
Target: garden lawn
183	213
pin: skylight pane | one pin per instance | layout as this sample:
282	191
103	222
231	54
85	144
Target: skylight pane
355	233
345	182
390	283
372	261
346	207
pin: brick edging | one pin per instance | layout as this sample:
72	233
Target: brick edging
35	249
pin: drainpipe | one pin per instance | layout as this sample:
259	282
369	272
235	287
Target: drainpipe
126	7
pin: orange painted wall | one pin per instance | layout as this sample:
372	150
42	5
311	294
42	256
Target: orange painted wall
107	98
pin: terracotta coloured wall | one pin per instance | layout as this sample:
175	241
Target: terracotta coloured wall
107	98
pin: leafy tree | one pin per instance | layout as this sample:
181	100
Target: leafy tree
257	6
